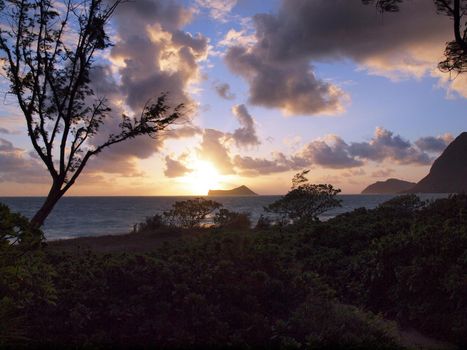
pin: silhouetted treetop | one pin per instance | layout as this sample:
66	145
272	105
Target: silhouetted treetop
456	50
47	49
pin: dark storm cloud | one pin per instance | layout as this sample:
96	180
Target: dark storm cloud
175	168
223	90
277	65
246	134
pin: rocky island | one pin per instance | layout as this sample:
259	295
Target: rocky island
239	191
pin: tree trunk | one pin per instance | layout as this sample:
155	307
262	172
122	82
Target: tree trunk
54	195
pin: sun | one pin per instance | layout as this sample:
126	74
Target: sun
204	177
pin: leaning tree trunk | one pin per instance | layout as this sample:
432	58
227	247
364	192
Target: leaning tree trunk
52	198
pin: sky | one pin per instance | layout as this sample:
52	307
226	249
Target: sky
270	88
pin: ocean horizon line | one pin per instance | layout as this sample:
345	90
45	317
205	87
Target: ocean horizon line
205	195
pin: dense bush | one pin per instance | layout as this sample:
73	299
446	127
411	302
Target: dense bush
304	285
151	224
305	201
263	223
224	289
406	259
15	230
25	278
193	213
227	219
190	213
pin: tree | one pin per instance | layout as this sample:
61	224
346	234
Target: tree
305	201
190	213
48	49
456	50
227	219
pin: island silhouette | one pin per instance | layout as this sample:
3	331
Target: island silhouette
448	174
238	191
390	186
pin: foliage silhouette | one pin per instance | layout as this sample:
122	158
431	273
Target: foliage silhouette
305	201
190	213
25	277
227	219
48	49
303	286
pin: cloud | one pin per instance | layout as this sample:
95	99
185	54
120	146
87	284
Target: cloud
330	152
175	168
293	88
223	90
246	134
249	166
152	55
5	131
335	29
434	144
382	173
218	9
277	66
7	146
122	158
238	38
213	149
17	166
387	146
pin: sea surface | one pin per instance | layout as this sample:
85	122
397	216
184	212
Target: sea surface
96	216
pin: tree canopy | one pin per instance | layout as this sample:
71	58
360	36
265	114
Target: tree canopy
48	49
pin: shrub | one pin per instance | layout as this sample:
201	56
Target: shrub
263	223
190	213
407	203
25	278
15	230
402	259
227	219
232	289
305	201
151	224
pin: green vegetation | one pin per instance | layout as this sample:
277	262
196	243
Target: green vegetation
309	284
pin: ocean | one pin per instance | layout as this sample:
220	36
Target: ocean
97	216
